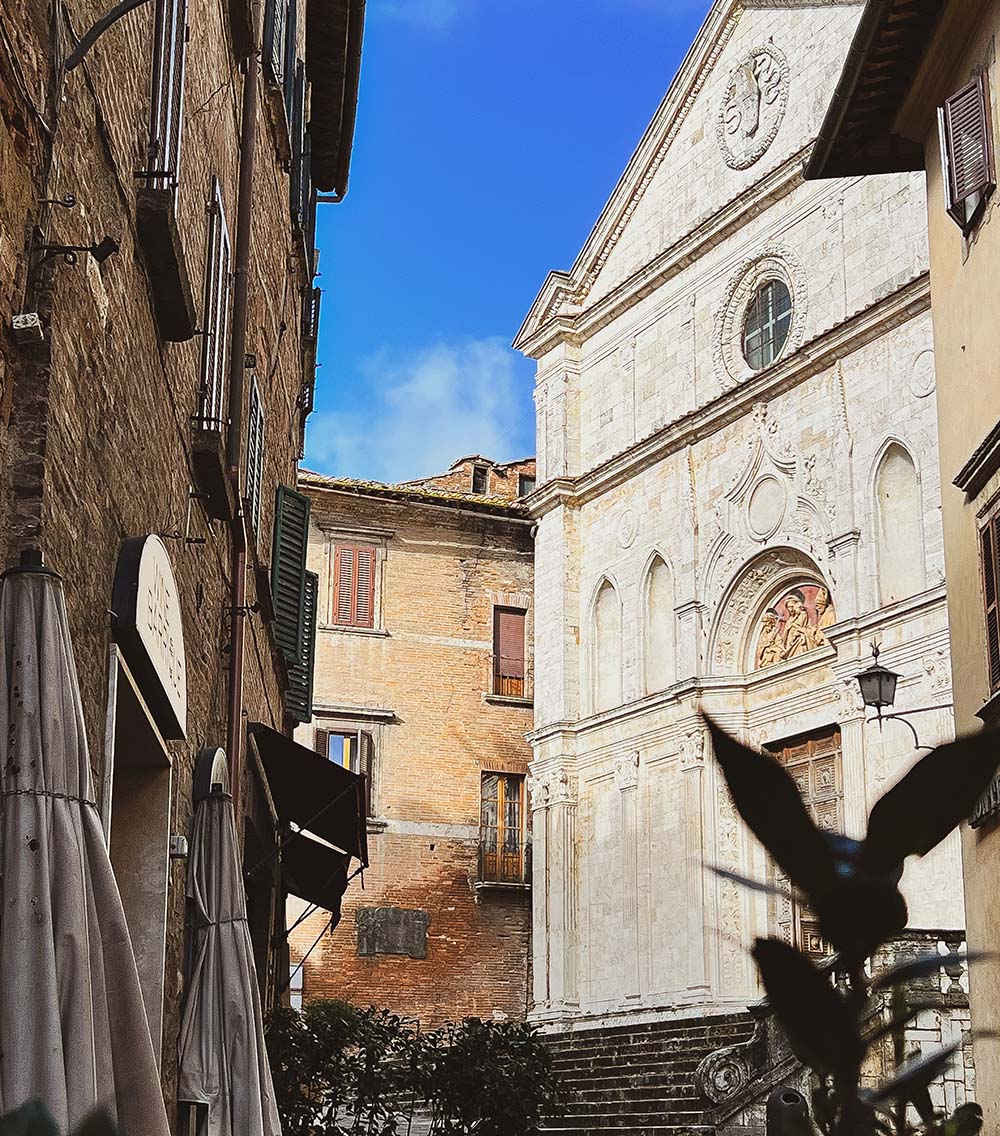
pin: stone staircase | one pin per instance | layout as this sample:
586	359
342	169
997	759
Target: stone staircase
639	1080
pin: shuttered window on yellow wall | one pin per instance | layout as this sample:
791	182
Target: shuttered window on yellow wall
988	549
353	586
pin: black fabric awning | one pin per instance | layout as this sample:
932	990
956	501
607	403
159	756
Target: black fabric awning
313	793
315	873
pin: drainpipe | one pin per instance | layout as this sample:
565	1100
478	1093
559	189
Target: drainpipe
234	441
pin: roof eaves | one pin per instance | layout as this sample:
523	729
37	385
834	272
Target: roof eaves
334	35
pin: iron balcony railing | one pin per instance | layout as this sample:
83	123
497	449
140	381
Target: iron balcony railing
502	859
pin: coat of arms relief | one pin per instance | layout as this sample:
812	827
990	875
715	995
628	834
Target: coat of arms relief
753	106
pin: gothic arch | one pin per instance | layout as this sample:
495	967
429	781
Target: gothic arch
605	646
897	522
658	629
760	583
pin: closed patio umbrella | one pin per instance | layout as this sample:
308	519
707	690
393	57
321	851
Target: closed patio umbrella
223	1062
73	1029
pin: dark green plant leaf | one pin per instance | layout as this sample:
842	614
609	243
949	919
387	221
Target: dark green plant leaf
31	1119
98	1123
815	1018
937	794
966	1120
766	798
922	967
910	1083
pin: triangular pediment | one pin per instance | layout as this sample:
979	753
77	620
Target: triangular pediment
691	162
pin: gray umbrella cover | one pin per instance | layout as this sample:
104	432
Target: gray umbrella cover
223	1061
73	1029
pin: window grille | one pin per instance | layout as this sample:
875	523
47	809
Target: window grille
766	324
502	832
508	652
167	94
966	138
255	457
215	317
353	586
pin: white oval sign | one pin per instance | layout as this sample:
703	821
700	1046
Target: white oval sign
147	625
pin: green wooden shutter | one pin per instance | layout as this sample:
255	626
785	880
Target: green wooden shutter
299	697
288	570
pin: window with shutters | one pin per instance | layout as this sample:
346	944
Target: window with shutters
989	558
509	671
354	571
276	13
354	750
215	317
966	136
503	843
167	95
288	570
255	457
302	194
299	695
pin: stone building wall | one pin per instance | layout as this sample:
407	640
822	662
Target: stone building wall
662	452
420	683
95	425
504	480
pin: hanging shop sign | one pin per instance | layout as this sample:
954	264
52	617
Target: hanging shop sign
147	626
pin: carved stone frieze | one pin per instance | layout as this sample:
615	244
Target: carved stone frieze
627	770
552	787
692	750
753	106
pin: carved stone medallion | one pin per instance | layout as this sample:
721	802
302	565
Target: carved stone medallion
628	528
753	106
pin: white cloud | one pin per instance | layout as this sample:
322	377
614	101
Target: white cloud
427	408
434	14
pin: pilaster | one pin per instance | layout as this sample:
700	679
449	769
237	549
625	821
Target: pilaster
627	780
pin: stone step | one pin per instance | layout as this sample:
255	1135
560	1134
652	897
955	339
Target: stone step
633	1129
569	1042
666	1109
617	1089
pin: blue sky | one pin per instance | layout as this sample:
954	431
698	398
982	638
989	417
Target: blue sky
490	134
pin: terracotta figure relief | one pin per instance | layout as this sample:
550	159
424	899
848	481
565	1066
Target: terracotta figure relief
797	623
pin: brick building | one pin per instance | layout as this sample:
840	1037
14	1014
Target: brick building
153	398
424	681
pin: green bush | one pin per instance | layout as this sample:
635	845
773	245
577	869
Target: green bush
342	1071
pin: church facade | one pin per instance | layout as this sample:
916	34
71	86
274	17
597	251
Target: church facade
738	493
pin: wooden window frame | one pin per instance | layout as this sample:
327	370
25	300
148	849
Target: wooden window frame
989	563
354	619
166	103
510	686
497	865
965	203
365	761
212	409
522	479
478	470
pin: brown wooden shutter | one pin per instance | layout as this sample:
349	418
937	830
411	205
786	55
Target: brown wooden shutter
364	605
343	587
366	767
988	555
321	741
967	149
508	652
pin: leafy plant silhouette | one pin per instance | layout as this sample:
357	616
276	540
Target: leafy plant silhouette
853	887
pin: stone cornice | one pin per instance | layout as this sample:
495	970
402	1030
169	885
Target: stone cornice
696	243
813	357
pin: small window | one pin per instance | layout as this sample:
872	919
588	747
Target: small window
275	24
480	479
525	485
989	556
966	139
295	984
765	327
502	843
167	95
508	652
255	457
354	750
353	586
215	317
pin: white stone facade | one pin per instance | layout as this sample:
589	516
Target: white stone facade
681	494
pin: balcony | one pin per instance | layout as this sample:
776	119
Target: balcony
509	689
503	864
